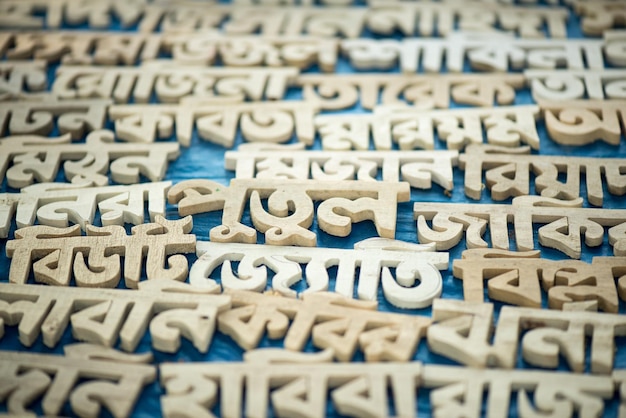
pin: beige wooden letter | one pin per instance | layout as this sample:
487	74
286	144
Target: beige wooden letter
57	254
290	207
88	377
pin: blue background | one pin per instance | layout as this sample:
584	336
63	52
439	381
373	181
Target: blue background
205	160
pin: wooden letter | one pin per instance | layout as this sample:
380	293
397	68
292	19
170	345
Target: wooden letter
94	260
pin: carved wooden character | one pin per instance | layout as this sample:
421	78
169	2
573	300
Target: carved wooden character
409	54
290	207
59	254
216	121
287	385
82	47
619	378
76	117
268	21
614	43
518	277
343	22
37	158
88	377
580	122
95	14
413	128
599	16
473	393
567	85
527	22
19	14
565	223
149	122
77	47
246	51
279	51
342	91
332	320
462	332
482	52
57	204
184	17
169	310
507	174
616	267
170	82
416	283
505	126
341	132
419	168
22	79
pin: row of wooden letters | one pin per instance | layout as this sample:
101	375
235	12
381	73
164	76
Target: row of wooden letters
60	255
460	331
506	171
410	19
170	81
381	17
410	127
481	52
291	212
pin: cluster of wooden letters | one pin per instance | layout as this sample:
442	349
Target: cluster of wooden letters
438	93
